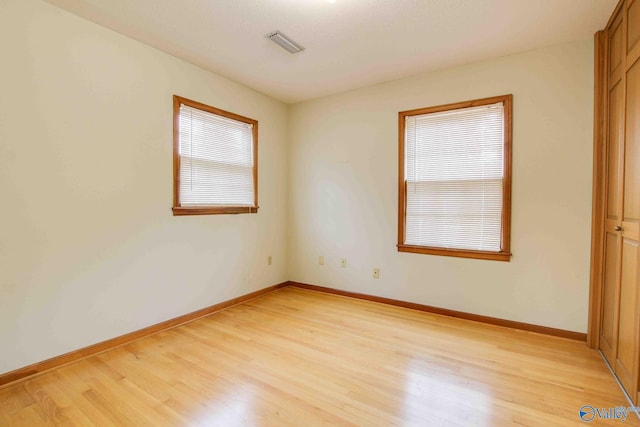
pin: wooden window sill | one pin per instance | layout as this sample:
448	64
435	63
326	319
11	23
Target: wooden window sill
461	253
213	210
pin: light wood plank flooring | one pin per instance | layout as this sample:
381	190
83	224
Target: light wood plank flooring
302	358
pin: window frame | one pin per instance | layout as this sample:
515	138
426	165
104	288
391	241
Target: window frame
213	209
505	236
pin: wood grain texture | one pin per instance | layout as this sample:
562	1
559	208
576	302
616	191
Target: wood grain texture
615	13
618	303
183	211
460	253
579	336
627	365
626	362
505	238
598	185
616	49
298	357
633	29
54	362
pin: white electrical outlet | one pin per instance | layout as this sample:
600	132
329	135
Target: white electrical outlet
269	260
321	260
376	273
343	263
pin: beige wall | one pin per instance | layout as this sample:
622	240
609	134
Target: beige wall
343	201
89	248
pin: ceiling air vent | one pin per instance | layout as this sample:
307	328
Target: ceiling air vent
285	42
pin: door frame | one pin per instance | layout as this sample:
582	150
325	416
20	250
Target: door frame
599	185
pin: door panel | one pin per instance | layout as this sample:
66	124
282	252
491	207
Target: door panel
616	52
633	120
614	152
608	333
627	355
613	203
632	147
633	19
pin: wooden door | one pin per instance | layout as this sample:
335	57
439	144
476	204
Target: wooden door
612	241
628	354
620	316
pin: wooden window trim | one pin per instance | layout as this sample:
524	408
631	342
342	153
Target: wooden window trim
209	210
505	239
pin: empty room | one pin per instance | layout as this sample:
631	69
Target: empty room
320	212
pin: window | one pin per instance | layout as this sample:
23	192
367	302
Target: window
215	160
455	179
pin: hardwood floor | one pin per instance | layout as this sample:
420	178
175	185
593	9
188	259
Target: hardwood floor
303	358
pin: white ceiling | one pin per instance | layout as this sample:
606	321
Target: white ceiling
349	43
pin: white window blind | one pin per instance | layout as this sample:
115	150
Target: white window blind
454	177
216	160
